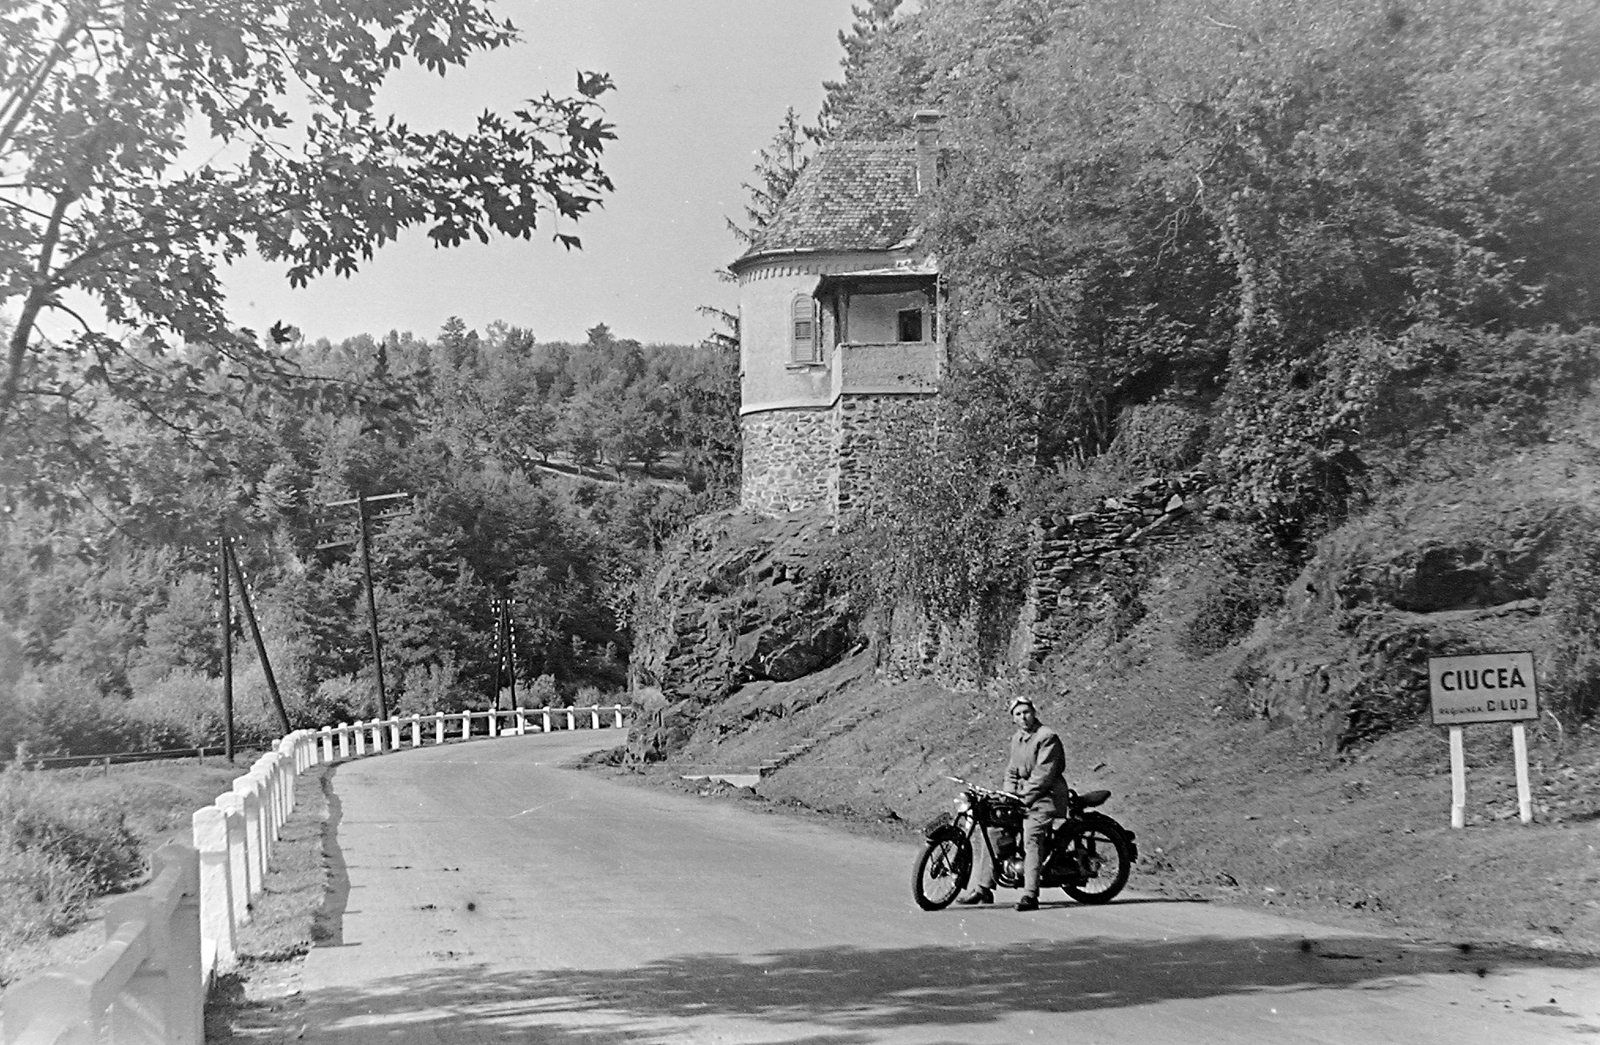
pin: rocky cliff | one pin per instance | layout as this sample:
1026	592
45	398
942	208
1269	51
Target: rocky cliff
738	599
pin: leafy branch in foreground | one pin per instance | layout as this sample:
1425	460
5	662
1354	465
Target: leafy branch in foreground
100	198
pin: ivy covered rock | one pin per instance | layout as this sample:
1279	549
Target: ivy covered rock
1492	560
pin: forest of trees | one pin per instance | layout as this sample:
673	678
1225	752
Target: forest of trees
545	474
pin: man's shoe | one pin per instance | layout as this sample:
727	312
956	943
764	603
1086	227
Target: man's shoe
1028	903
976	896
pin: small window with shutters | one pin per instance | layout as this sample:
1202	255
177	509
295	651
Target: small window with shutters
804	341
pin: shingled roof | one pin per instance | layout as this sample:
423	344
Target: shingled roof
851	196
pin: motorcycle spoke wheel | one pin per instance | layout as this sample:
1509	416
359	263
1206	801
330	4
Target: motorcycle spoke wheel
1103	851
941	870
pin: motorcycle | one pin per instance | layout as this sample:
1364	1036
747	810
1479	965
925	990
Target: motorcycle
1087	853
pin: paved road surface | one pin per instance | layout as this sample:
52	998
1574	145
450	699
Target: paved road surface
496	897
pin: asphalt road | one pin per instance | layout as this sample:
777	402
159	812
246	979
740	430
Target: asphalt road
488	895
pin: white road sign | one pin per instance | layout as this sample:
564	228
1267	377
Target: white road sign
1486	687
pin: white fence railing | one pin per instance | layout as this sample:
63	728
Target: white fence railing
165	942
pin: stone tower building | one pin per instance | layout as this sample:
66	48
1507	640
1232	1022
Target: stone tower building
840	322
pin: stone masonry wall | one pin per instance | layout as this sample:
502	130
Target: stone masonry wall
1079	553
865	426
787	460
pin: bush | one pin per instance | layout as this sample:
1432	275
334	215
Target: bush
542	694
1159	437
182	710
589	696
55	854
62	715
1573	604
431	686
1247	580
44	895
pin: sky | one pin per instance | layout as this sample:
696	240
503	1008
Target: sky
701	87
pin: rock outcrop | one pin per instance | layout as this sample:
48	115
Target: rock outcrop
738	599
1445	572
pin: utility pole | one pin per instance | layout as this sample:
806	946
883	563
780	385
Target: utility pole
364	543
499	651
261	647
225	612
372	607
505	650
511	655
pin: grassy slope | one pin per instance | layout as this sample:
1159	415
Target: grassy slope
157	800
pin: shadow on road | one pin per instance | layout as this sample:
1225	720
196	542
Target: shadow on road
855	992
327	923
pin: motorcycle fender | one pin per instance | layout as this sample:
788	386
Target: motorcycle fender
1133	846
937	824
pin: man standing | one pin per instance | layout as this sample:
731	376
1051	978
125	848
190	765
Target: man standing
1036	774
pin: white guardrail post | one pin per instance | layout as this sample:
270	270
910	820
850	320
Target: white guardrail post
217	919
438	727
242	873
248	788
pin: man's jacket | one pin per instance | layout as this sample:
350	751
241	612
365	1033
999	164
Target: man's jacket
1037	771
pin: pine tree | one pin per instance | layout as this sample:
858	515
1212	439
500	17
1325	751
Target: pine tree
777	168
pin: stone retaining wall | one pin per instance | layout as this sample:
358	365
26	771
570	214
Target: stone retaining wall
865	426
802	459
787	460
1079	553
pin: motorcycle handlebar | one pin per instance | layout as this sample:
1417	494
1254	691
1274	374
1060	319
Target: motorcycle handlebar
1002	796
986	792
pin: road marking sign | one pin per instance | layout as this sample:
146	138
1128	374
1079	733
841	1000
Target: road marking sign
1486	687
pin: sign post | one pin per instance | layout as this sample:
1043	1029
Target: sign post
1484	687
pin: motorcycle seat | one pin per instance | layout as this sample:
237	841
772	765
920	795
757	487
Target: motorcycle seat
1090	799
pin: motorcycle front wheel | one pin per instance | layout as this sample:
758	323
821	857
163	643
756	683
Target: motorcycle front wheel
942	870
1103	853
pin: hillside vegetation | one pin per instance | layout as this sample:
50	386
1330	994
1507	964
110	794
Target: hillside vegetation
1339	259
539	475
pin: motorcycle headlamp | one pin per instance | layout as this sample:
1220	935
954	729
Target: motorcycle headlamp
964	803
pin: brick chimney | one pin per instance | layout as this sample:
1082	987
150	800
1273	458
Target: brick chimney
927	149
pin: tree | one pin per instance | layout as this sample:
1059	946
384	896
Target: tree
842	104
1330	234
100	196
777	168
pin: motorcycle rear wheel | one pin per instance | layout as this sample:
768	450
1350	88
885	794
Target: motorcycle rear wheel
1102	848
941	870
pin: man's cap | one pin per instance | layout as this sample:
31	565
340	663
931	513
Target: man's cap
1019	701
